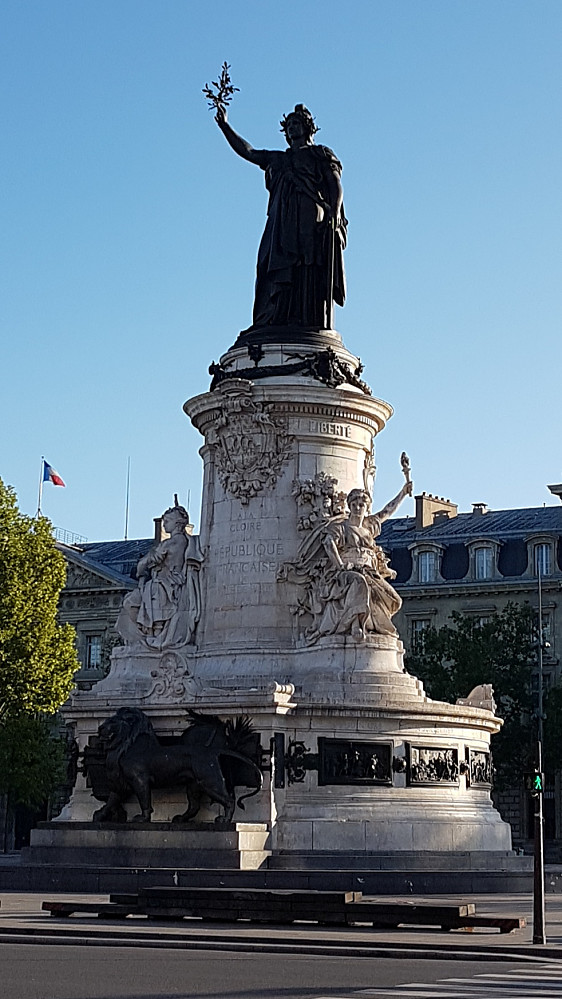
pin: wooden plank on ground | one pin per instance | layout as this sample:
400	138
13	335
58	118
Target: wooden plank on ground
106	910
175	896
394	914
253	915
505	924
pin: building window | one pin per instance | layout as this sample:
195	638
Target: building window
427	567
483	562
419	626
542	559
93	651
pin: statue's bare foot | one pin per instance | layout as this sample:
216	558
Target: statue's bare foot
358	634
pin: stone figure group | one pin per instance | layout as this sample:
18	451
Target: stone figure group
342	574
434	765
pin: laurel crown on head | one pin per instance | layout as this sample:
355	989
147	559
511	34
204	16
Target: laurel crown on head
305	116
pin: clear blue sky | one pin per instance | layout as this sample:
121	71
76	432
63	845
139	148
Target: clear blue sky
129	233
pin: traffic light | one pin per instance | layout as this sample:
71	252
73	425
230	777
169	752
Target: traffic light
534	782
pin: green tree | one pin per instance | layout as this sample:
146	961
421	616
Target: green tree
502	651
37	657
553	730
32	759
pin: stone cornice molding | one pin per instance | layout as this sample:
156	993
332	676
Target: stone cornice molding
330	404
501	587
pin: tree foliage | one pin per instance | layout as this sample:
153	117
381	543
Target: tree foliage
37	655
32	759
502	651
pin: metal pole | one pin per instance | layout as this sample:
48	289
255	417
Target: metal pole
127	498
40	497
539	935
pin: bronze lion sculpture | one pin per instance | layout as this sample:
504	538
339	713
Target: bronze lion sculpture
210	759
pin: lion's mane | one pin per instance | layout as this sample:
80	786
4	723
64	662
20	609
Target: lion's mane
123	729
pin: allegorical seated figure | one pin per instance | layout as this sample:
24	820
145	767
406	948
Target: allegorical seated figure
164	610
345	573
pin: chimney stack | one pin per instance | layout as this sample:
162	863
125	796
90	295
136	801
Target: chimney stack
479	509
430	508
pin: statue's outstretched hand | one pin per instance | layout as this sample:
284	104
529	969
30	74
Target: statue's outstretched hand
221	117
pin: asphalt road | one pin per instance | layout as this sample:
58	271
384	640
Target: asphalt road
69	972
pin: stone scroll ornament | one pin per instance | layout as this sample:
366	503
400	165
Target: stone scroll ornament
172	680
251	446
340	572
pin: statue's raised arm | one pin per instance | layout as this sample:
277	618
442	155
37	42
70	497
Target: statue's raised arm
392	506
240	146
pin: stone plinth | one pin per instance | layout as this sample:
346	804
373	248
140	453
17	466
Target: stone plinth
238	846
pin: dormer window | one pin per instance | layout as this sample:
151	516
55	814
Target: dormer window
540	555
483	562
542	559
427	567
483	554
427	562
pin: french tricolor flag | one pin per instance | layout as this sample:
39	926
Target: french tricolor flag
49	474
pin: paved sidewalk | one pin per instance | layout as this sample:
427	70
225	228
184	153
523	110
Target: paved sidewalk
21	920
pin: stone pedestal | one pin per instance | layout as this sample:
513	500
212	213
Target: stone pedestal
359	762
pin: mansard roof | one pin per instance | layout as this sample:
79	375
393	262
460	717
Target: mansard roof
465	527
509	528
113	560
121	556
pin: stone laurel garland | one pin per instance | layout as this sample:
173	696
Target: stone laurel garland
325	366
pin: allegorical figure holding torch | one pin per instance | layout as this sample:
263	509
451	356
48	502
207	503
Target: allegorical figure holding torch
300	272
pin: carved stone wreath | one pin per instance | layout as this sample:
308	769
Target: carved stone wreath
251	446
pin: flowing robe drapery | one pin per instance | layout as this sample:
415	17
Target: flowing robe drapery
294	282
354	598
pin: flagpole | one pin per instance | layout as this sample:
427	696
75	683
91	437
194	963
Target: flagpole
127	498
40	497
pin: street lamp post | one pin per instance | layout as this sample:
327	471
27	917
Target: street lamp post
539	936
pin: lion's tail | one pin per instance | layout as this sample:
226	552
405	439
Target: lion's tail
238	756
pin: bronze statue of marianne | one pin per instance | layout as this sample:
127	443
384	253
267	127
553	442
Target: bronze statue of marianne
300	271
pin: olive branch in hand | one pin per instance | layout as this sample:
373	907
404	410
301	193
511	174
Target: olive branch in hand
224	93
